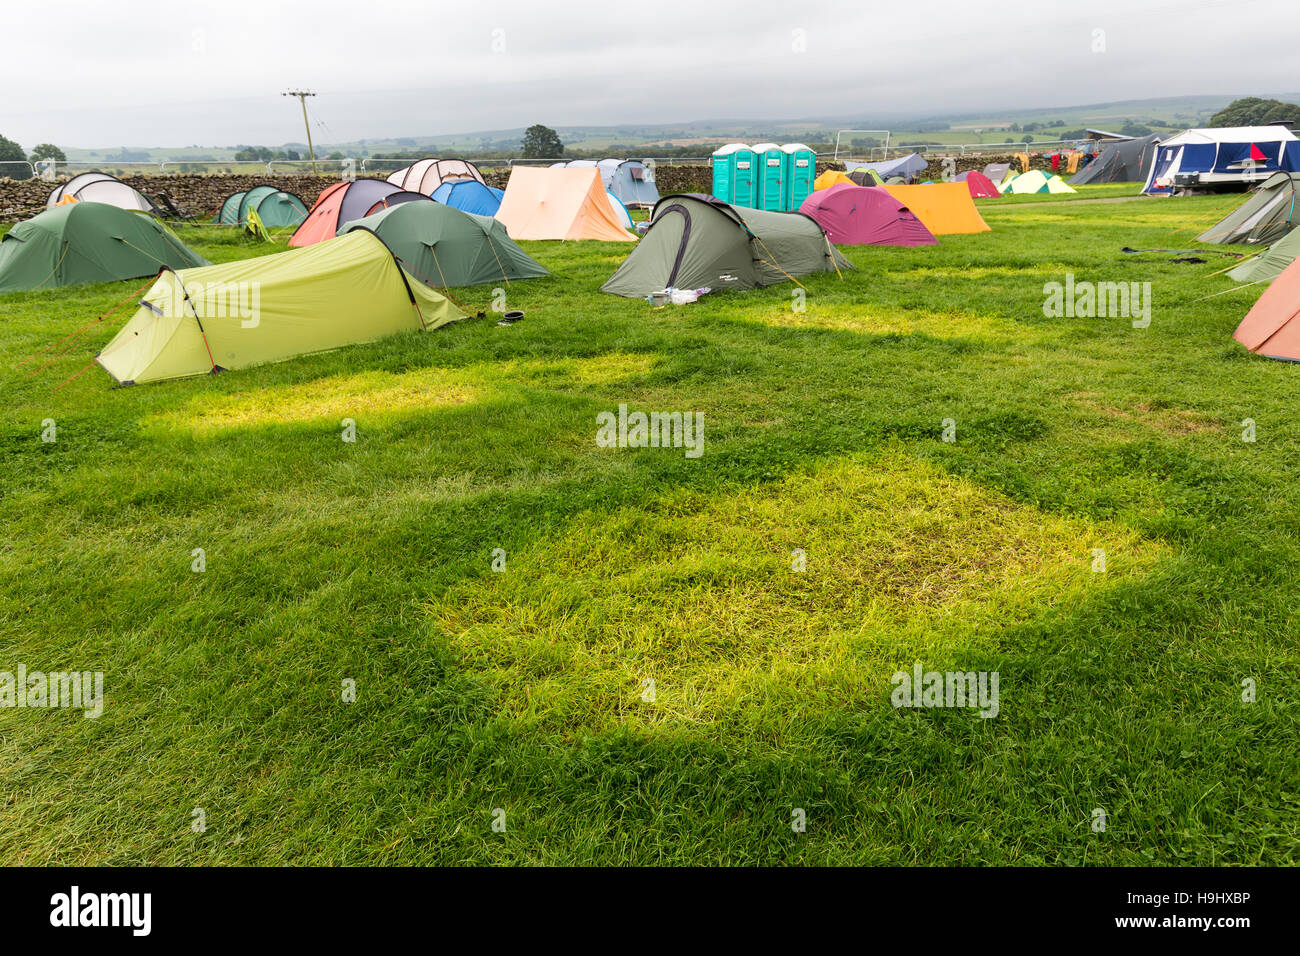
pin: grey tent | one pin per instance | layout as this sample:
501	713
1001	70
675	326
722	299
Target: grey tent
101	187
1128	161
997	172
634	184
1270	213
696	241
1268	265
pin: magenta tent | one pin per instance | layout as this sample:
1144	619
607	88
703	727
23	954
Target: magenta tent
980	186
863	216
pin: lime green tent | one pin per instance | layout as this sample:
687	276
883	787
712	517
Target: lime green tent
443	246
1035	181
1268	265
88	242
267	309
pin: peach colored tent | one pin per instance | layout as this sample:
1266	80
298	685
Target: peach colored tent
944	208
564	203
1272	327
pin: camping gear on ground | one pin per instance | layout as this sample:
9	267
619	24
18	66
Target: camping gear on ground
340	203
426	175
944	208
563	203
1271	262
274	207
905	167
1232	157
980	186
696	241
101	188
1034	181
1272	327
270	308
860	215
442	246
470	195
1128	161
1270	213
88	242
735	175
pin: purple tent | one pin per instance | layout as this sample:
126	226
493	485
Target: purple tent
863	216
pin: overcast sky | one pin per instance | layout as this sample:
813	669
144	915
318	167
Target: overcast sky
166	73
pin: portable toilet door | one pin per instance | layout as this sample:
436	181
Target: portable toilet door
725	167
771	177
801	171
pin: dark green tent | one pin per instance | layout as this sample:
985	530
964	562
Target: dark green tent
696	241
88	242
275	207
443	246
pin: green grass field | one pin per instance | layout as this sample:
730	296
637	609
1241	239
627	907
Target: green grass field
524	690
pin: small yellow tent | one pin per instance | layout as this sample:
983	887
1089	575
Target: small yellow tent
563	203
238	314
832	177
943	208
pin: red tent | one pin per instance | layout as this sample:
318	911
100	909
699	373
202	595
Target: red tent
862	216
980	186
1271	328
343	202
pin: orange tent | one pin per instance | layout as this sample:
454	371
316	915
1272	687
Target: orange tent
564	203
1270	328
944	208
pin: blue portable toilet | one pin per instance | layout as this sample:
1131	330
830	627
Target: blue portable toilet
733	174
801	170
771	177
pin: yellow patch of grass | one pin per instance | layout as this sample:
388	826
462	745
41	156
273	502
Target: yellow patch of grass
698	593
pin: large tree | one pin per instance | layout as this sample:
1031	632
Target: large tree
542	142
1254	111
48	151
11	153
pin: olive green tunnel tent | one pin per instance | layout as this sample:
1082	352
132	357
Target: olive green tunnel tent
275	207
1271	212
443	246
696	241
267	309
84	242
1270	262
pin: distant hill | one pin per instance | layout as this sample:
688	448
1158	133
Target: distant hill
994	126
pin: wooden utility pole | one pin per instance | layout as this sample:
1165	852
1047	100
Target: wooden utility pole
302	98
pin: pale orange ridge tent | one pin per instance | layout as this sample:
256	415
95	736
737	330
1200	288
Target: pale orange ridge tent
566	203
943	208
1272	327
